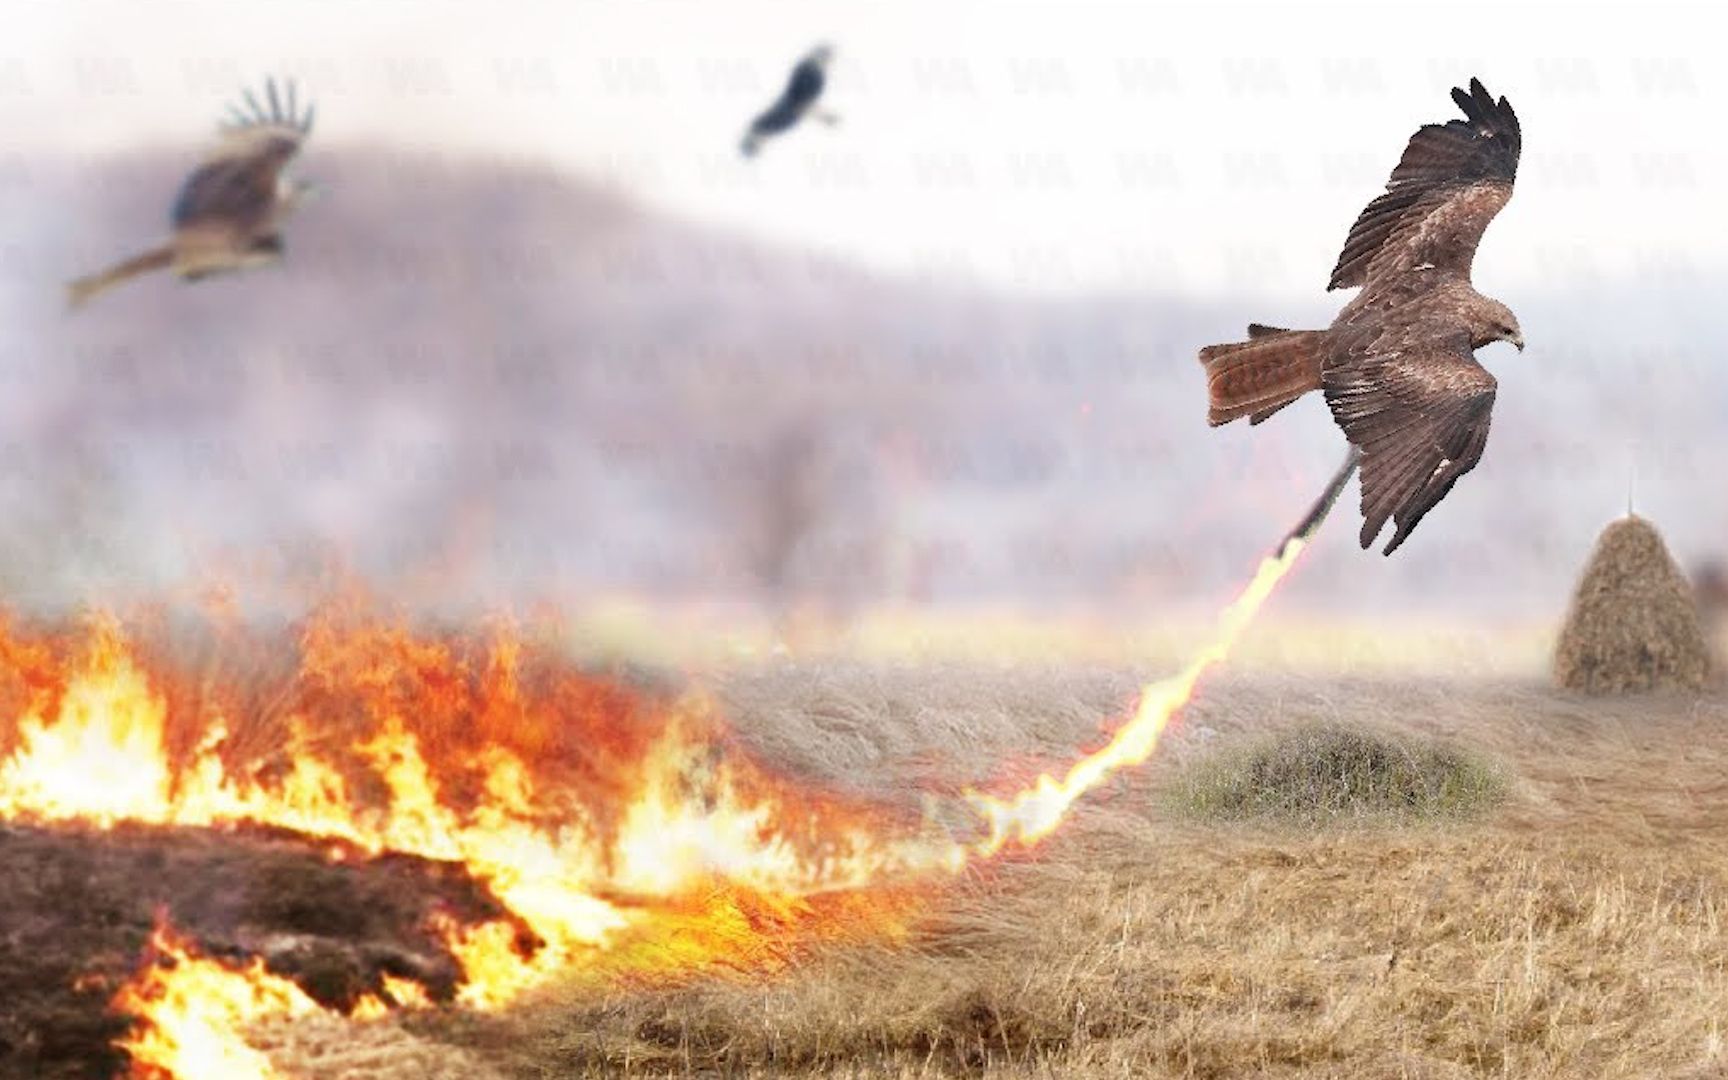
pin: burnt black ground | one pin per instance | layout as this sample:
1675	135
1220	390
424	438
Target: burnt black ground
77	907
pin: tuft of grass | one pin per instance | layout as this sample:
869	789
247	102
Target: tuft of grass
1323	773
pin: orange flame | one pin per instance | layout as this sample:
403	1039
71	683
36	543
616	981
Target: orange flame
194	1012
399	993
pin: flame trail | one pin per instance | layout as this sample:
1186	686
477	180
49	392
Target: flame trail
1034	813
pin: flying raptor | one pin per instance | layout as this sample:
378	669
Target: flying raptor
1397	366
796	101
229	213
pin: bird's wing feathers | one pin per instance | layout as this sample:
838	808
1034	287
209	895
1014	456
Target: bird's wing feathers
238	179
1452	180
1418	408
240	192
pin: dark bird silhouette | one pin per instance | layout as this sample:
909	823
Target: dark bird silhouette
796	101
1397	366
229	213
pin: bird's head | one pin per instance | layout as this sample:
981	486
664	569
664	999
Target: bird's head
821	54
1495	322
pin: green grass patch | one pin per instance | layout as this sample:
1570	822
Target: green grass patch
1332	773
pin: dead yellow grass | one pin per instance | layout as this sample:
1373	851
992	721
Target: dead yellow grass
326	1046
1574	931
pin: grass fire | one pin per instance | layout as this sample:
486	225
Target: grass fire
619	836
625	840
357	847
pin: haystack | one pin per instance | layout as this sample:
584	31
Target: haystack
1633	624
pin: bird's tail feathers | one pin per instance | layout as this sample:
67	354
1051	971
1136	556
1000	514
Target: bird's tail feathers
83	290
1257	377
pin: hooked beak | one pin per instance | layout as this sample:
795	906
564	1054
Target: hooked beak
1518	341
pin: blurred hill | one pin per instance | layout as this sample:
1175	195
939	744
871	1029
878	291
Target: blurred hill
480	380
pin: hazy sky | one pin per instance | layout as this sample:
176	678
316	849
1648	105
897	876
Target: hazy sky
1057	145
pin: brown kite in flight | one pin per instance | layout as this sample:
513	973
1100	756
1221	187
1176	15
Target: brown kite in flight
229	212
1397	365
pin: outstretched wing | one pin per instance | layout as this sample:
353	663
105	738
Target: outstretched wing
1418	409
236	186
1453	178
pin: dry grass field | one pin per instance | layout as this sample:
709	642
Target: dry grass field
1572	929
1537	890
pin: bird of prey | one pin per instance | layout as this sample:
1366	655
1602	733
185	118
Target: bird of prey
1397	366
796	101
229	213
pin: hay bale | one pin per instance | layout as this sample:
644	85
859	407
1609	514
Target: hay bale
1634	624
